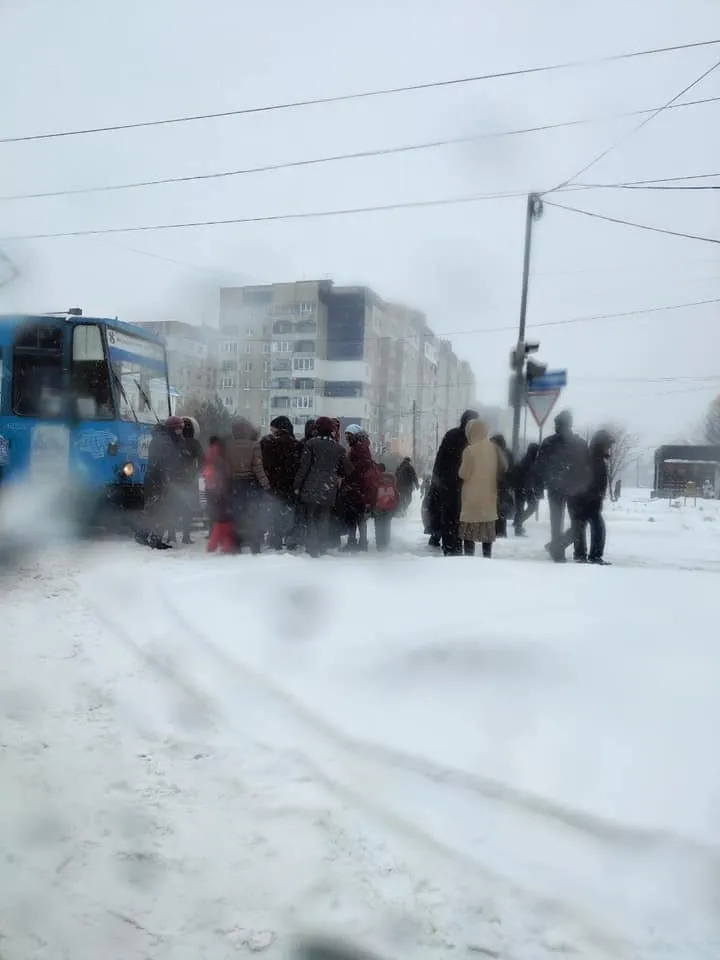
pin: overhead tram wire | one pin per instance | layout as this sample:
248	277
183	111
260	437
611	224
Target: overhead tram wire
632	223
362	95
636	129
356	155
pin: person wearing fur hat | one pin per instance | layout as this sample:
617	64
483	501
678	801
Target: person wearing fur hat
323	461
281	459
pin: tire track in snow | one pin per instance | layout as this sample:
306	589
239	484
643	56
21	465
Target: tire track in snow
577	933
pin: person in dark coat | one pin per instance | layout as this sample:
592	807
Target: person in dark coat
526	490
310	431
506	499
563	469
323	460
281	459
407	482
188	492
163	475
585	509
359	492
447	483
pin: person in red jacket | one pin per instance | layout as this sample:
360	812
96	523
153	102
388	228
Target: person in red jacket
360	489
216	474
386	506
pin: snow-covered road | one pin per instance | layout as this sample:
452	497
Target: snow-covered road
200	755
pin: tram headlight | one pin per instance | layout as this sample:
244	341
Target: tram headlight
127	470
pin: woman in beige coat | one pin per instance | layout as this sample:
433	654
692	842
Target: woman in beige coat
482	466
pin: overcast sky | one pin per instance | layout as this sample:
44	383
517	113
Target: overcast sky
80	63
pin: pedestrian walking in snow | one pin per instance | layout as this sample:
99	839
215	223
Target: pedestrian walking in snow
526	490
188	491
481	470
446	483
323	460
385	507
407	484
281	459
585	509
563	469
249	482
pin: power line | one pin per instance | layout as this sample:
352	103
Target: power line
239	337
356	155
630	133
632	223
648	183
363	95
309	215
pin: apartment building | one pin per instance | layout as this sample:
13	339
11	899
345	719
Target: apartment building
310	348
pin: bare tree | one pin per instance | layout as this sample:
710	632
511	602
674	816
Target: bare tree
711	427
624	451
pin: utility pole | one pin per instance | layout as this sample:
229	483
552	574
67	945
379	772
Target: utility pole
533	212
414	431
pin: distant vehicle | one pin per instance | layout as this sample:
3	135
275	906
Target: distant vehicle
78	400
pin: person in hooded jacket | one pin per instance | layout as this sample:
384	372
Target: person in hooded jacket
526	489
585	509
446	484
281	459
563	470
188	493
407	483
481	471
506	500
249	480
359	492
323	460
163	475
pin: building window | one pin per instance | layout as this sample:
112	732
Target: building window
303	363
305	308
283	365
282	346
248	366
229	346
227	401
266	366
266	347
247	348
264	384
303	403
226	382
304	383
305	346
249	332
281	403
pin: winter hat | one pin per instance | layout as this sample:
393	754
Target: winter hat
324	426
353	429
284	424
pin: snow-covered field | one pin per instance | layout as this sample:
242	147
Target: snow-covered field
202	756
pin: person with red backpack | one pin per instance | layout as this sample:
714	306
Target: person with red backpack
385	506
216	474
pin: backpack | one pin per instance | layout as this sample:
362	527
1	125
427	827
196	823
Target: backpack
386	493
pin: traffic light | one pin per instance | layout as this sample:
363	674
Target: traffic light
534	370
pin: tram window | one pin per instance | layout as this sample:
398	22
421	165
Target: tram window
90	376
37	381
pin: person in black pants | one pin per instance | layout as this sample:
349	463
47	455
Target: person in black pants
526	489
563	469
447	484
586	509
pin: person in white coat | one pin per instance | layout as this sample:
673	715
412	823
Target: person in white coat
482	467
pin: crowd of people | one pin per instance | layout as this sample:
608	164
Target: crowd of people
277	491
315	492
476	488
